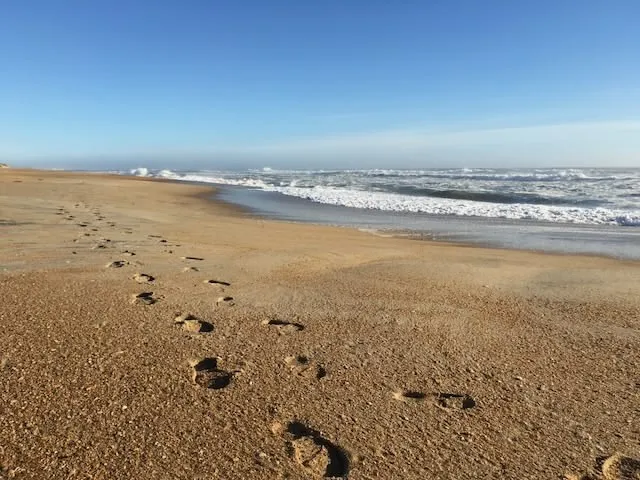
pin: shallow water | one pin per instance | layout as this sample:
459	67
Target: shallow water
606	240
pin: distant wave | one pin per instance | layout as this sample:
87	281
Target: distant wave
542	175
140	172
357	189
243	182
493	175
490	197
537	177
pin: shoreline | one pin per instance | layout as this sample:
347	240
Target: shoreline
147	329
237	205
460	231
213	194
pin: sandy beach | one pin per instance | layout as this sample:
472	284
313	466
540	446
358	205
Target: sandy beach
149	332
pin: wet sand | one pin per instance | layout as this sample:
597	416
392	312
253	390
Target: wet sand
551	237
148	332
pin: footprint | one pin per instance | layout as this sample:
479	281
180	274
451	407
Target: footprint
117	264
456	401
409	396
192	258
449	401
143	278
218	282
615	467
83	225
193	324
207	374
225	301
301	365
283	326
144	298
318	456
298	362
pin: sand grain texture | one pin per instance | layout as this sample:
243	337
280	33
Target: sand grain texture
334	353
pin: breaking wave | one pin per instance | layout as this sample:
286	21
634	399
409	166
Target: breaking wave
567	196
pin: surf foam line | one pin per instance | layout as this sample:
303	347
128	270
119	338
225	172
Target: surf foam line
392	202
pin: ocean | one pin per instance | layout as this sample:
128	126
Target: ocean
584	210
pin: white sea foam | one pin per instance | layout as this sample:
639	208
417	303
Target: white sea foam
445	206
243	182
628	220
140	172
351	189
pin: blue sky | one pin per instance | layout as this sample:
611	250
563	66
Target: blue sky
320	84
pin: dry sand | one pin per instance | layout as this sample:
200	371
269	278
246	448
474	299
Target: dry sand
147	332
